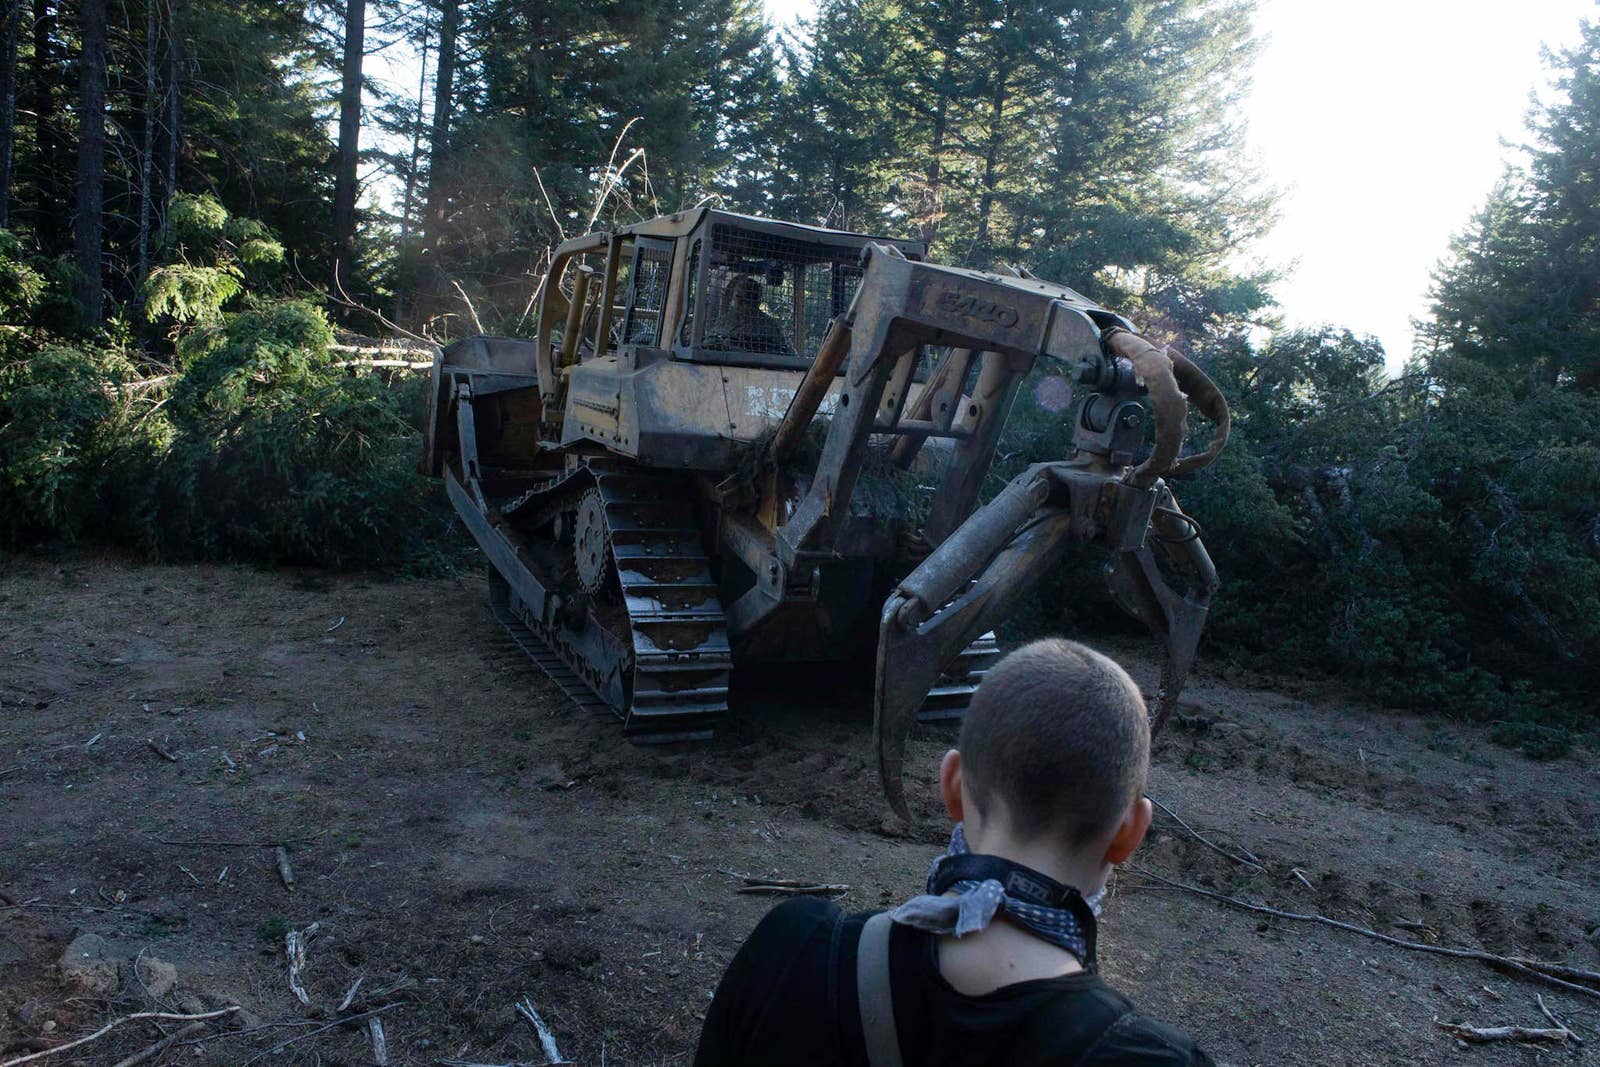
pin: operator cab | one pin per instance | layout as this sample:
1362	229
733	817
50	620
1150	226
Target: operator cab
680	340
705	286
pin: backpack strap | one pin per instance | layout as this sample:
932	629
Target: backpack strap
874	994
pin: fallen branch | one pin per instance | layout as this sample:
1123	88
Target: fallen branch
114	1023
285	872
150	1052
1482	1035
786	887
1560	970
350	995
347	1020
1536	969
163	753
1204	840
547	1040
381	350
465	299
380	1044
295	944
1548	1014
395	364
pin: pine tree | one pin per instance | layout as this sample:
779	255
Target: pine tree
8	103
1094	142
1520	289
348	156
87	224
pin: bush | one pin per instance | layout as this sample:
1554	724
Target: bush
281	456
252	445
76	442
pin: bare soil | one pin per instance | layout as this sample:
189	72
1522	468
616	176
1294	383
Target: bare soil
459	829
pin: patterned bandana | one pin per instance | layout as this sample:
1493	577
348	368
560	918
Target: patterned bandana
978	900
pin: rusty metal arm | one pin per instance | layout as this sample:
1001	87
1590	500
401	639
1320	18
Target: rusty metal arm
973	580
1173	382
813	389
1174	617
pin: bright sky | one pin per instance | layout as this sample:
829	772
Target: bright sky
1382	121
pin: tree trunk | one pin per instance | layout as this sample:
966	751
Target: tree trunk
51	210
147	147
344	189
941	120
407	200
86	222
991	156
439	142
174	95
8	104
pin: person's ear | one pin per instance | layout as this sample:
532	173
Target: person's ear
1131	833
950	785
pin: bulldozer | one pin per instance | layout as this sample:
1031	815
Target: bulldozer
734	441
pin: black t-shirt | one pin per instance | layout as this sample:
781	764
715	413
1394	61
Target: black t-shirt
789	997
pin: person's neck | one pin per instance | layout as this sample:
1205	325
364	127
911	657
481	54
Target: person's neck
1084	871
1002	954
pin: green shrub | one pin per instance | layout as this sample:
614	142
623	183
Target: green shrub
77	442
281	456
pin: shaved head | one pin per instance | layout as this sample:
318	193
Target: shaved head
1058	737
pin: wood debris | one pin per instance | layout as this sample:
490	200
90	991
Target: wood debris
547	1040
296	942
150	1052
350	995
380	1044
1482	1035
786	887
1573	979
285	872
114	1023
1548	1014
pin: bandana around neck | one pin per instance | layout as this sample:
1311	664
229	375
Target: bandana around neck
1042	906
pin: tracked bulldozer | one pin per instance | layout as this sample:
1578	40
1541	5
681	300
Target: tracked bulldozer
735	441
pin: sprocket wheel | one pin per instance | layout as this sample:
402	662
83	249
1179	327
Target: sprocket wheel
590	549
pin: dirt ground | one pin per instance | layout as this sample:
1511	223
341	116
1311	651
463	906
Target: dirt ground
466	838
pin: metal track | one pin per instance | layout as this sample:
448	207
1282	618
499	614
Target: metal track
948	698
652	644
548	661
681	658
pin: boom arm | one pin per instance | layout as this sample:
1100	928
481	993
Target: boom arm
985	560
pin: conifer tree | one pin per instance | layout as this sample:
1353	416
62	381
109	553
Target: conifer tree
1520	290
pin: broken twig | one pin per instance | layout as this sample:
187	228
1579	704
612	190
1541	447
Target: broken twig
150	1052
1536	969
340	623
1482	1035
785	887
350	995
380	1045
163	753
275	1049
285	872
114	1023
1548	1014
547	1040
1206	841
295	944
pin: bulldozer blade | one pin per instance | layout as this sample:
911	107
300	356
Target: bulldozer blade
917	640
